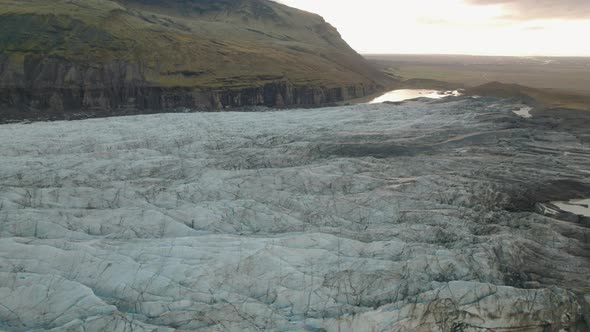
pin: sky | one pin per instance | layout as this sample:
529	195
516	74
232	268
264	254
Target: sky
478	27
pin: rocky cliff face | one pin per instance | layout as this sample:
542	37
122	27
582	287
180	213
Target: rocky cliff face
138	56
53	88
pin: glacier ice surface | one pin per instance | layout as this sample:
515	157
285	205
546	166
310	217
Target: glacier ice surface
360	218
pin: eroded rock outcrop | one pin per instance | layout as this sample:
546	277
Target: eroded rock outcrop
54	88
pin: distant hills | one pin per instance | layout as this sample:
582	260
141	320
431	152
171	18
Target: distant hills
548	83
124	56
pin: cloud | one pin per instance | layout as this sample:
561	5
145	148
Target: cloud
534	28
541	9
464	25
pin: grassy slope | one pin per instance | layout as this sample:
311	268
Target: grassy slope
193	43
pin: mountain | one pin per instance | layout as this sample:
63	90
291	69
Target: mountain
116	57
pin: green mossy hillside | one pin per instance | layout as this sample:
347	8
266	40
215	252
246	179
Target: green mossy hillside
184	43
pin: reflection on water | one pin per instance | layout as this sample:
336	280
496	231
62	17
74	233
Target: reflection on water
406	94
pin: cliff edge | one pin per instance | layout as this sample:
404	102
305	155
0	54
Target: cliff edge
132	56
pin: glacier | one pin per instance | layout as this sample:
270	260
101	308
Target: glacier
419	216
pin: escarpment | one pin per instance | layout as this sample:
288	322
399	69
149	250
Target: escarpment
122	57
52	88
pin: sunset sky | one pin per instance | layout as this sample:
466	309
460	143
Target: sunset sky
489	27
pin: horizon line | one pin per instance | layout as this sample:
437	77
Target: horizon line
480	55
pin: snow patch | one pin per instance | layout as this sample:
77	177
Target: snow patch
524	111
579	207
